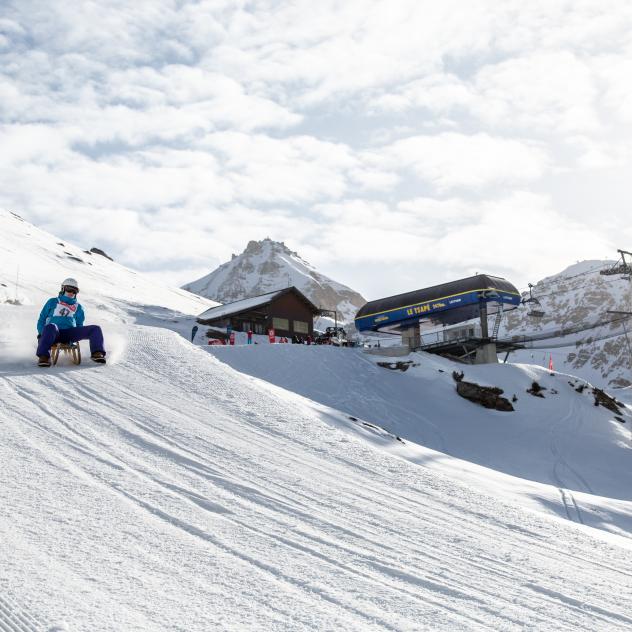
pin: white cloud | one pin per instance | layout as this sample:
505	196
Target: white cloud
371	179
315	53
451	160
295	169
520	236
30	144
553	91
438	92
614	72
379	136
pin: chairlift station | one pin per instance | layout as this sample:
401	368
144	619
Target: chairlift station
443	305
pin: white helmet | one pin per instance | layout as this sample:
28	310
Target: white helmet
71	283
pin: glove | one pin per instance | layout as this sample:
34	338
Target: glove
39	336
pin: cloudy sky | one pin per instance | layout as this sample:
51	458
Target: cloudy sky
392	144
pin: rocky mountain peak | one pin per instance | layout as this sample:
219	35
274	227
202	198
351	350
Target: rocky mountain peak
269	265
268	247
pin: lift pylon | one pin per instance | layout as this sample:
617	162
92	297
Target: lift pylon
621	266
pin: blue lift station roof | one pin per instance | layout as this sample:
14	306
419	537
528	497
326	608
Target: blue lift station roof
445	304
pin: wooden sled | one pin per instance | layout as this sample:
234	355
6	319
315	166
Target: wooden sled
71	349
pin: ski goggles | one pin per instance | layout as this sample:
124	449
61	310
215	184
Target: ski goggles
72	290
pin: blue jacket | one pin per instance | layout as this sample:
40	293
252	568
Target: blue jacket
62	311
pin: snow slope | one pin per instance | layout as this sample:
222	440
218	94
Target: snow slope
168	492
557	454
33	263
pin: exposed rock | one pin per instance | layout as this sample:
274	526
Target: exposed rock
73	257
98	251
536	390
487	396
397	366
607	401
620	382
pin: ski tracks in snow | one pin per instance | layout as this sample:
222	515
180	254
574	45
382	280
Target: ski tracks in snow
249	512
562	473
15	618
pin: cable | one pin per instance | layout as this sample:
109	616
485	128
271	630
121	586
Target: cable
560	333
577	343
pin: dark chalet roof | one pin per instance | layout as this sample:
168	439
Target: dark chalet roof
246	305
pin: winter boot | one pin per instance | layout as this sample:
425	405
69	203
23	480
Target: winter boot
43	361
98	356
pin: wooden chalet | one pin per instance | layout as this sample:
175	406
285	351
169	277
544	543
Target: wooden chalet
288	311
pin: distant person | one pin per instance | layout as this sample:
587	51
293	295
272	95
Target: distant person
61	320
249	334
193	332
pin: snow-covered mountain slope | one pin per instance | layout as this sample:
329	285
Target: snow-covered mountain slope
33	263
168	492
269	265
556	454
574	301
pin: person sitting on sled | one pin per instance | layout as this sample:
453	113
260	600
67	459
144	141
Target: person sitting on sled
61	320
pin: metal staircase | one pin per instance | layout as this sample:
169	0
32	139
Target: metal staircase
499	317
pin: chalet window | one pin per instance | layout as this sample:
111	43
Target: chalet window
259	328
245	326
281	323
300	327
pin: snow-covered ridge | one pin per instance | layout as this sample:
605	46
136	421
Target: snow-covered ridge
33	263
267	265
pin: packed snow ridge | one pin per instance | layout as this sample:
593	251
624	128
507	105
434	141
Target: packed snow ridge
175	489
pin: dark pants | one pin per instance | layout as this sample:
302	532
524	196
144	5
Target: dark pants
52	334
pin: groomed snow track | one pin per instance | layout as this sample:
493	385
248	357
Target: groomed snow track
168	492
